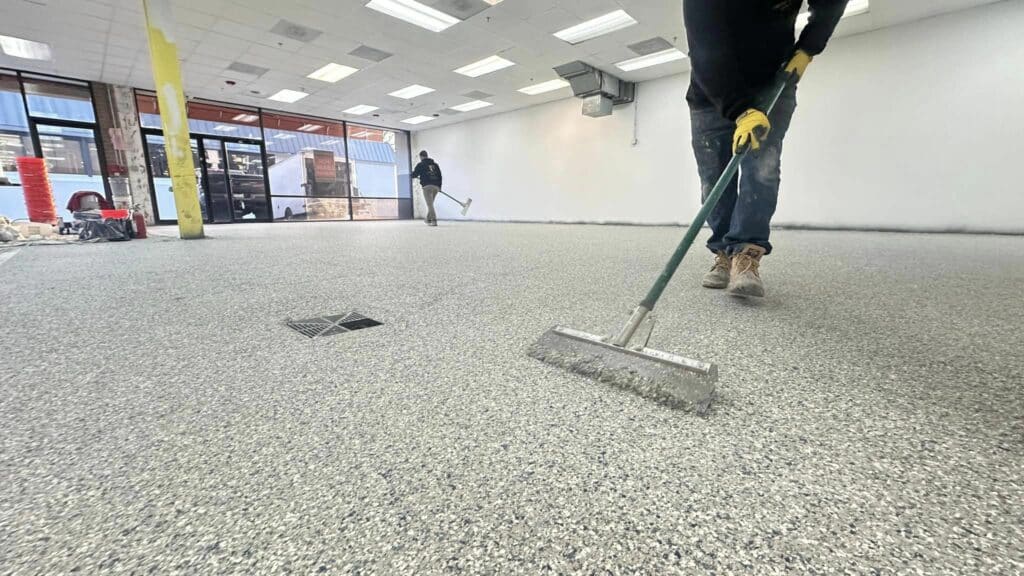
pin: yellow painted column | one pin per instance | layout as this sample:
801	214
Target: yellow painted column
167	75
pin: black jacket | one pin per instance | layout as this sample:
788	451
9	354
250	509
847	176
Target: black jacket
428	172
737	46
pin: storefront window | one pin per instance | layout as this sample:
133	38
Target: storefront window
204	118
57	100
15	139
149	111
380	161
306	158
216	120
72	160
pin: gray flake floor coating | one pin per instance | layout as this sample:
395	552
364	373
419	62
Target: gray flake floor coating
870	418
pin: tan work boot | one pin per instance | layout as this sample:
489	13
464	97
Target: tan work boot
745	280
718	276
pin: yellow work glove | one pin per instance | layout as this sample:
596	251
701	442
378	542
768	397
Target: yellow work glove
752	127
798	64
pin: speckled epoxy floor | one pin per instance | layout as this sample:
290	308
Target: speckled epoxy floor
870	418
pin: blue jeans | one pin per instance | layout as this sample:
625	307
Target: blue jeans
744	214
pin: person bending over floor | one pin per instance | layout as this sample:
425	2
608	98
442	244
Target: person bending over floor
736	49
429	174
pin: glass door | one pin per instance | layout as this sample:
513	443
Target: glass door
245	180
162	186
229	178
215	192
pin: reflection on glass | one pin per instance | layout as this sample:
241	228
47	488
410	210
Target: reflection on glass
49	99
204	118
372	209
296	208
72	160
306	158
375	162
214	119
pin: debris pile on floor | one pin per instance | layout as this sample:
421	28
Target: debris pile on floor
8	233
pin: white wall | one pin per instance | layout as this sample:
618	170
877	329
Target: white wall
918	126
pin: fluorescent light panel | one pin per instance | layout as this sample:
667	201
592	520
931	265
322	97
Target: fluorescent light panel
22	48
599	26
288	96
333	72
543	87
246	118
470	106
485	66
410	92
224	128
418	119
414	13
670	55
361	109
854	8
310	127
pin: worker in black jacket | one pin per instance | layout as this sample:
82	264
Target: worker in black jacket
736	49
430	177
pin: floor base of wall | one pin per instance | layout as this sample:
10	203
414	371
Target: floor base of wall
779	226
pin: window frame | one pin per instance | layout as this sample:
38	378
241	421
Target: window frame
34	122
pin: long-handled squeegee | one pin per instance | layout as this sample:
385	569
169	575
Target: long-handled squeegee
465	205
672	380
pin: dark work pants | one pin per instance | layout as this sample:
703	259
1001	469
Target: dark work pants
744	214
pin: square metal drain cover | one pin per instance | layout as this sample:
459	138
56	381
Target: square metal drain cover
331	325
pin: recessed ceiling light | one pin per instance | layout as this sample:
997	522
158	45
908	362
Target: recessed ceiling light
854	8
485	66
596	27
670	55
288	96
543	87
410	92
246	118
470	106
333	72
361	109
415	13
310	127
28	49
361	134
284	136
418	119
224	128
494	2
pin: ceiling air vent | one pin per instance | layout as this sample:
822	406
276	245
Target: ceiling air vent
657	44
368	53
295	31
461	9
247	69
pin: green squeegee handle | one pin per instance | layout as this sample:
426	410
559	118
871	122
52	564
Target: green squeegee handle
716	194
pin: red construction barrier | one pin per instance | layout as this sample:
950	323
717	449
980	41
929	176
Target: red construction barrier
35	182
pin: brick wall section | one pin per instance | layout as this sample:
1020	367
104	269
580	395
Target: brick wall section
115	108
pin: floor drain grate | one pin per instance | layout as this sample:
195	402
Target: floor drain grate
331	325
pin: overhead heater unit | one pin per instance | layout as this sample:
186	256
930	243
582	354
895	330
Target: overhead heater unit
599	90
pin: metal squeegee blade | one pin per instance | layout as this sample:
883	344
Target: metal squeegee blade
668	379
